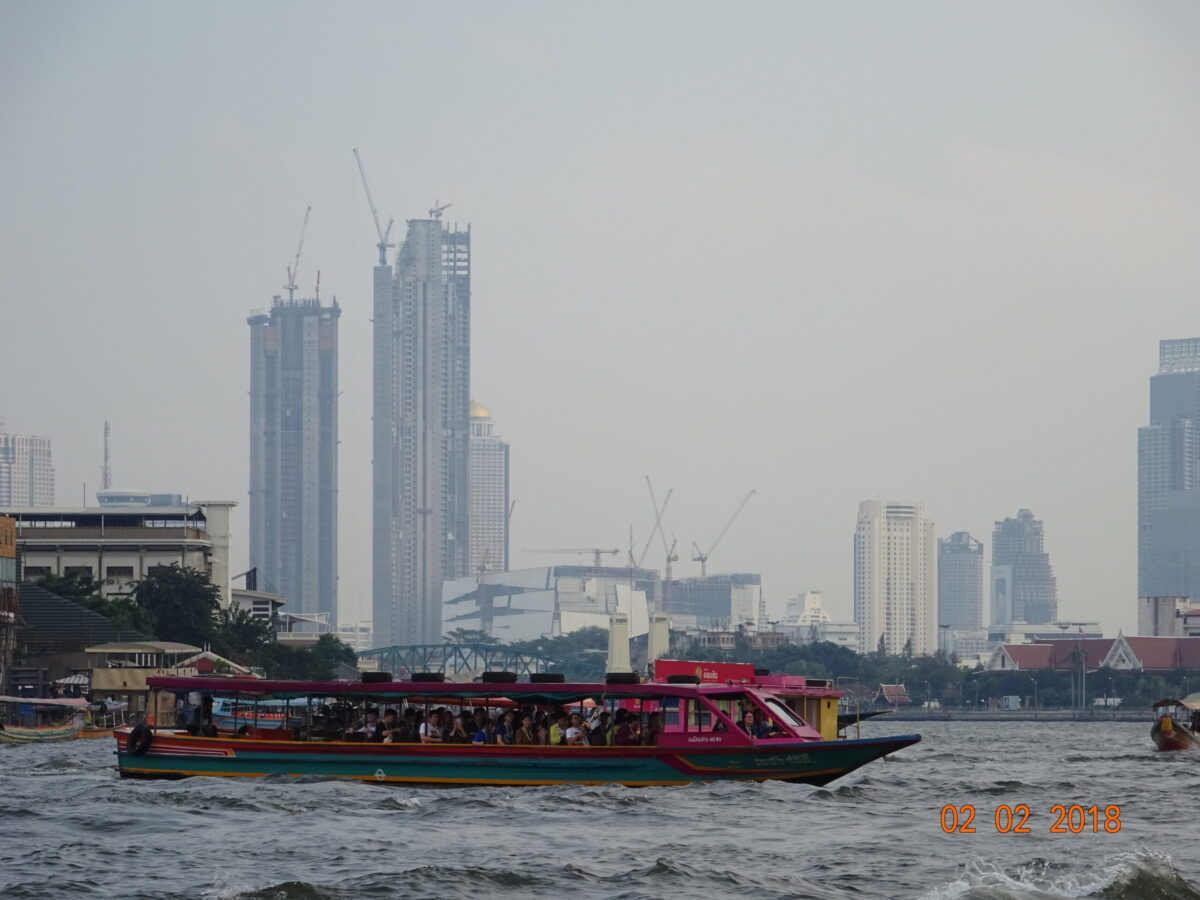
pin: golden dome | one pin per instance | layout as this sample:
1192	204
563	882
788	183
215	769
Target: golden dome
479	411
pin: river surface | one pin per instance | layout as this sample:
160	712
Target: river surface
69	827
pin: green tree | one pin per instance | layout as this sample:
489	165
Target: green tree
469	636
239	634
316	664
85	590
183	602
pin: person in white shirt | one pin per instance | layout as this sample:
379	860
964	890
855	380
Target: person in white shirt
430	731
577	733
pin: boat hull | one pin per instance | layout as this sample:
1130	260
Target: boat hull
18	734
814	762
1175	738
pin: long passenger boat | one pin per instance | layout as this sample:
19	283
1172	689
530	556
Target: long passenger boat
700	739
35	720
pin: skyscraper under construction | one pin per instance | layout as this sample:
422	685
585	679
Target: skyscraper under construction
422	370
293	452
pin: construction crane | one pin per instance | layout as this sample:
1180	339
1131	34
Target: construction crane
438	209
383	233
702	556
659	512
668	552
595	551
294	268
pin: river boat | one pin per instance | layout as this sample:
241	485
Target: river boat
700	738
1176	723
104	718
34	720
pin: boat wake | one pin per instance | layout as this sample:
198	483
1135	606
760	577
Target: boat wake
1145	875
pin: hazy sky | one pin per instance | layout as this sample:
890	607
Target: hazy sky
918	251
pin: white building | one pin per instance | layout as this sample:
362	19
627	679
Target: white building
807	620
488	494
119	545
26	470
895	578
531	603
356	635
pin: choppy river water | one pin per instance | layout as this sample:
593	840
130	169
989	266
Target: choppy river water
70	827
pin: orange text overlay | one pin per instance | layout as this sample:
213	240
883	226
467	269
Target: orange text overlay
1018	819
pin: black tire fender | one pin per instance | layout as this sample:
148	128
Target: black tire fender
139	740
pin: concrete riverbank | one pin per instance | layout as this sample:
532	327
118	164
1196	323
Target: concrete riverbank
1019	715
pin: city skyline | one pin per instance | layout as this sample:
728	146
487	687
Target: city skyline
979	254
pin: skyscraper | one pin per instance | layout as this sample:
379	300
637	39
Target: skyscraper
1168	482
293	452
1023	585
26	470
895	578
489	494
960	582
421	430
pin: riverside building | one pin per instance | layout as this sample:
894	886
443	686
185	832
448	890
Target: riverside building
294	452
895	578
422	308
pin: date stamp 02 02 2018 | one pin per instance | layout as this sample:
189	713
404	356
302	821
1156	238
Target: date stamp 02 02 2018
1018	819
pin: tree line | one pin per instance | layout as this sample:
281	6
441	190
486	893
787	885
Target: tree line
180	604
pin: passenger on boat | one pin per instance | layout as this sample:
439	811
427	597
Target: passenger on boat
485	734
430	731
525	734
243	731
600	734
576	733
208	729
626	734
653	730
763	728
458	733
505	728
542	730
747	723
368	728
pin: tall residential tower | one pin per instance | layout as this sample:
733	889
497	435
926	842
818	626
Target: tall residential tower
960	582
1169	476
489	494
422	375
26	470
1023	584
293	452
895	578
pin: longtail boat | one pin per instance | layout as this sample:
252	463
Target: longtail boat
700	738
34	720
1175	723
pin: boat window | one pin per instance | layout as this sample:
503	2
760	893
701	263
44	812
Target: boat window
669	707
782	713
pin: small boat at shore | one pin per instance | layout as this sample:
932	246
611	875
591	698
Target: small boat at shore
34	720
1176	723
699	736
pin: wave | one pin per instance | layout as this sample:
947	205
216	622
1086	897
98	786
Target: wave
1144	875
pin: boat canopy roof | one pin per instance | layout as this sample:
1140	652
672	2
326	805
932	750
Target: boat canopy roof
65	702
438	690
1191	702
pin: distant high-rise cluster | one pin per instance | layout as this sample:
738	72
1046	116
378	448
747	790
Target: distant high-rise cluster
26	470
960	582
1169	476
895	578
422	311
294	452
488	492
1023	584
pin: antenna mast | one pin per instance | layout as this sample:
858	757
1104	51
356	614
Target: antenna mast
106	469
